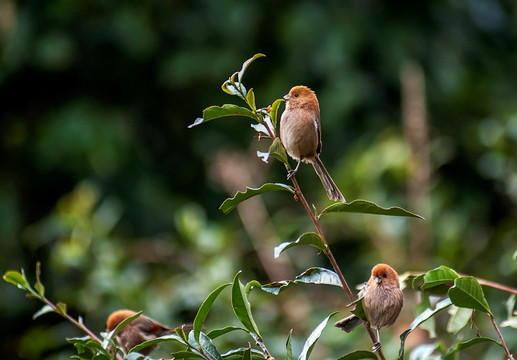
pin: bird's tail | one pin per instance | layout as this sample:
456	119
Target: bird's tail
329	185
348	324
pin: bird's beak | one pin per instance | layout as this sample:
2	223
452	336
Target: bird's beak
287	97
378	280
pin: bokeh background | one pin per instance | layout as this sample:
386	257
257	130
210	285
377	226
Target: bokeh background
102	181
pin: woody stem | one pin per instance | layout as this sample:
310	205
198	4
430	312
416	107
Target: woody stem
330	256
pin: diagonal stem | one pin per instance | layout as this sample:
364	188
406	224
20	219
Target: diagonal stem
330	256
503	344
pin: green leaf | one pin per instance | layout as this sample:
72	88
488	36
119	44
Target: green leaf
208	347
165	338
453	350
459	319
186	355
216	112
61	308
320	276
18	279
358	355
233	87
202	313
241	306
467	293
219	332
358	309
135	356
425	315
313	338
368	207
248	63
310	238
439	276
237	354
247	354
39	286
229	204
316	275
273	113
250	99
289	346
44	310
277	151
250	285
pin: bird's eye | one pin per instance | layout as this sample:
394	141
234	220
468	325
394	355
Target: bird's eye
296	95
384	275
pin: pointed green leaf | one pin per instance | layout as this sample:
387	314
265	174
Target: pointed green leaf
276	287
247	354
237	354
61	308
248	63
202	313
39	286
44	310
250	99
467	293
315	275
368	207
165	338
439	276
208	348
134	356
277	151
241	306
273	113
313	338
229	204
358	309
453	350
358	355
219	332
217	112
17	278
320	276
425	315
179	355
460	317
233	87
310	238
289	346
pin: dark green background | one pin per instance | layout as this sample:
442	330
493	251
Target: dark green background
102	181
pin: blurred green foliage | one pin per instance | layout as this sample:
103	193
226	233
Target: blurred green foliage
102	181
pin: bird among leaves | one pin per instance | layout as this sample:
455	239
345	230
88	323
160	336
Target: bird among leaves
382	302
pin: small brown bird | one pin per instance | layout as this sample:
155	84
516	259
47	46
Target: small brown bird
137	331
300	132
382	301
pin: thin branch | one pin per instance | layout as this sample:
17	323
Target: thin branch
331	258
503	344
494	285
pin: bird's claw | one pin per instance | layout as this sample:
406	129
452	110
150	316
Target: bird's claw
290	174
376	347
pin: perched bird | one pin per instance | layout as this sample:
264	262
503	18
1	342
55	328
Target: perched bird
382	301
300	132
137	331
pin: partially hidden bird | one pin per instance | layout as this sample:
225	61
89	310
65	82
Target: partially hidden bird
382	302
300	133
138	331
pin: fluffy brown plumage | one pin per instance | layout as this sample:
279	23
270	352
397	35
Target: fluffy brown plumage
300	132
382	300
137	331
